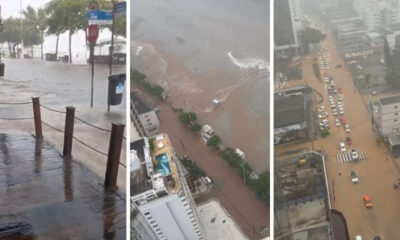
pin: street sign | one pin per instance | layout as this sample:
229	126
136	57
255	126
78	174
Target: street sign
120	9
93	33
97	17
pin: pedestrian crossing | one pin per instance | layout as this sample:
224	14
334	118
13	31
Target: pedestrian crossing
264	232
345	157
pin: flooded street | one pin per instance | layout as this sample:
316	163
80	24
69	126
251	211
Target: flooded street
376	173
200	51
248	211
43	196
60	85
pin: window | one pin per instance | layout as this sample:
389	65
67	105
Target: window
146	213
395	107
396	113
395	120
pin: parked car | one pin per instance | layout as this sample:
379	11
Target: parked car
321	108
339	66
354	154
367	201
337	122
342	147
347	128
354	177
348	140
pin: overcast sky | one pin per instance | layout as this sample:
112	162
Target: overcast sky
12	7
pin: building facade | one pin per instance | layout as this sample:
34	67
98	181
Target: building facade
159	192
387	120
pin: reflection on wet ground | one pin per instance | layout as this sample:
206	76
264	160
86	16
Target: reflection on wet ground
46	196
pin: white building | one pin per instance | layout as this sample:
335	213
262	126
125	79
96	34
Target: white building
287	12
388	118
144	119
160	193
378	13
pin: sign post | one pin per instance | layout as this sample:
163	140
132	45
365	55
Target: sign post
92	35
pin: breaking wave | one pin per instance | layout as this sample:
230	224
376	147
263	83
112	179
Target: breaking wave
247	63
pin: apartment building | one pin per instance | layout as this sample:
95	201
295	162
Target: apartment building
387	120
159	192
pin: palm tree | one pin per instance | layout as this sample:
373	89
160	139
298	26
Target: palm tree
31	25
56	19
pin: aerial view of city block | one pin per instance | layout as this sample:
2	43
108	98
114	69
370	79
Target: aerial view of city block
200	119
336	119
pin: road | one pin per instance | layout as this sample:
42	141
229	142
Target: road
376	173
60	85
249	212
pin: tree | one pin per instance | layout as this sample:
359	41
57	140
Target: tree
195	127
56	20
11	34
188	117
214	141
393	78
30	34
311	36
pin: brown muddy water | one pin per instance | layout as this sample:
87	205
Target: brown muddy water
200	51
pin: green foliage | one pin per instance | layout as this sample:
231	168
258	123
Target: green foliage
311	36
141	79
260	186
151	145
324	133
317	73
393	78
11	34
192	168
214	141
379	140
188	117
195	127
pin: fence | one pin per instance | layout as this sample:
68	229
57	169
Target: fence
115	144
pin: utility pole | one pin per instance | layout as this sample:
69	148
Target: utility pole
111	47
20	20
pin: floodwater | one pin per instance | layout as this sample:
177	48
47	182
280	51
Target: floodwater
204	50
376	173
43	196
60	85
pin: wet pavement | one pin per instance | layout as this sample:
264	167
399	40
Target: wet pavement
376	173
44	196
59	85
249	212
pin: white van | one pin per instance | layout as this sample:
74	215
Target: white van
358	237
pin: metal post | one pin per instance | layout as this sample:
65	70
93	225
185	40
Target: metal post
92	80
69	131
37	117
114	152
111	52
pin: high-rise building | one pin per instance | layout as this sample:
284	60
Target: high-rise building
159	192
285	32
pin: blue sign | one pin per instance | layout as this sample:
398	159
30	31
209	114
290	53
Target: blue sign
97	17
120	9
120	88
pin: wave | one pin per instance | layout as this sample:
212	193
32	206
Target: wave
248	63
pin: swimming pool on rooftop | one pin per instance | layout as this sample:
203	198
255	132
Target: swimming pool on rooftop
163	164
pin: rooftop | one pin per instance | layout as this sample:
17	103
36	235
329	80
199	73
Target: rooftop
389	100
140	106
158	170
289	110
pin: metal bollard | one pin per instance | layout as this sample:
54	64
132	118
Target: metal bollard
37	117
114	153
69	131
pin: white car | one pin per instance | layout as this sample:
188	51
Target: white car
332	83
337	122
321	108
341	112
354	177
323	115
347	128
334	112
342	147
354	154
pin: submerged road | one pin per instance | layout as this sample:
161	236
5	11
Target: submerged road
249	212
44	196
376	173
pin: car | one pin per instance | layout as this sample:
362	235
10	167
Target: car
341	112
208	180
354	154
340	90
337	122
348	140
377	238
321	108
354	177
347	128
342	120
367	201
334	91
334	112
342	147
339	66
358	237
332	83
